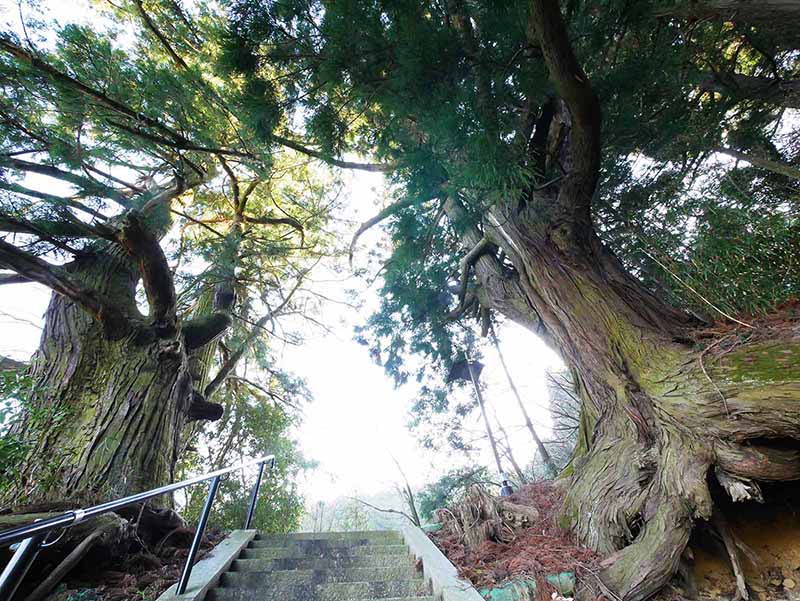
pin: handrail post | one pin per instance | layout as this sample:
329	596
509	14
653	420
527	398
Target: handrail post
198	536
254	497
20	562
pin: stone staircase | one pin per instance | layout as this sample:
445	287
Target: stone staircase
331	566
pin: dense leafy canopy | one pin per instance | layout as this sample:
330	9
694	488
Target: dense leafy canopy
453	95
133	112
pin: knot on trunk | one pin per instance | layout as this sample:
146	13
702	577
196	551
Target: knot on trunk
199	332
200	408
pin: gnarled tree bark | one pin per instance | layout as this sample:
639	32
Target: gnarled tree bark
106	411
660	416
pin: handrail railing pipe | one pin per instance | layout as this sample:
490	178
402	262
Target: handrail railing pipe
198	535
251	509
31	536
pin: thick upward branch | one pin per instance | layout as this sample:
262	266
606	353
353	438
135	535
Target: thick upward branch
143	246
466	263
548	30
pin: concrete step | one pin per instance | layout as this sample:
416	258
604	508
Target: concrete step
256	579
231	594
320	549
270	543
378	536
258	564
339	591
341	566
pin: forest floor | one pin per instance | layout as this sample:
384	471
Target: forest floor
770	532
139	577
540	549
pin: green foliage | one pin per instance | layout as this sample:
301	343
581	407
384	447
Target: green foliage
731	253
415	292
21	418
410	91
455	110
254	424
107	116
448	490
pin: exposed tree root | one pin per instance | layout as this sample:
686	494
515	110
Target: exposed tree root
107	534
481	517
725	533
133	529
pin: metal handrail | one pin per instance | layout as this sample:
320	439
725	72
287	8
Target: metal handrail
32	535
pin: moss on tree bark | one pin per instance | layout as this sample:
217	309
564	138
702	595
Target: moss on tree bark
661	414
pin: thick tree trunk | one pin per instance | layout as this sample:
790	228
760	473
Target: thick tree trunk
659	415
106	416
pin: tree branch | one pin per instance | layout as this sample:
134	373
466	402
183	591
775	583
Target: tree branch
202	330
201	409
227	368
52	199
466	263
90	186
548	29
159	287
54	74
116	324
781	92
13	278
538	142
773	166
173	138
42	227
383	214
151	26
382	510
275	397
371	167
234	183
291	221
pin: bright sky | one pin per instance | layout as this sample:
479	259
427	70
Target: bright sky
357	421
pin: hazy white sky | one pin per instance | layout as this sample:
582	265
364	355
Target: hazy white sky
357	421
